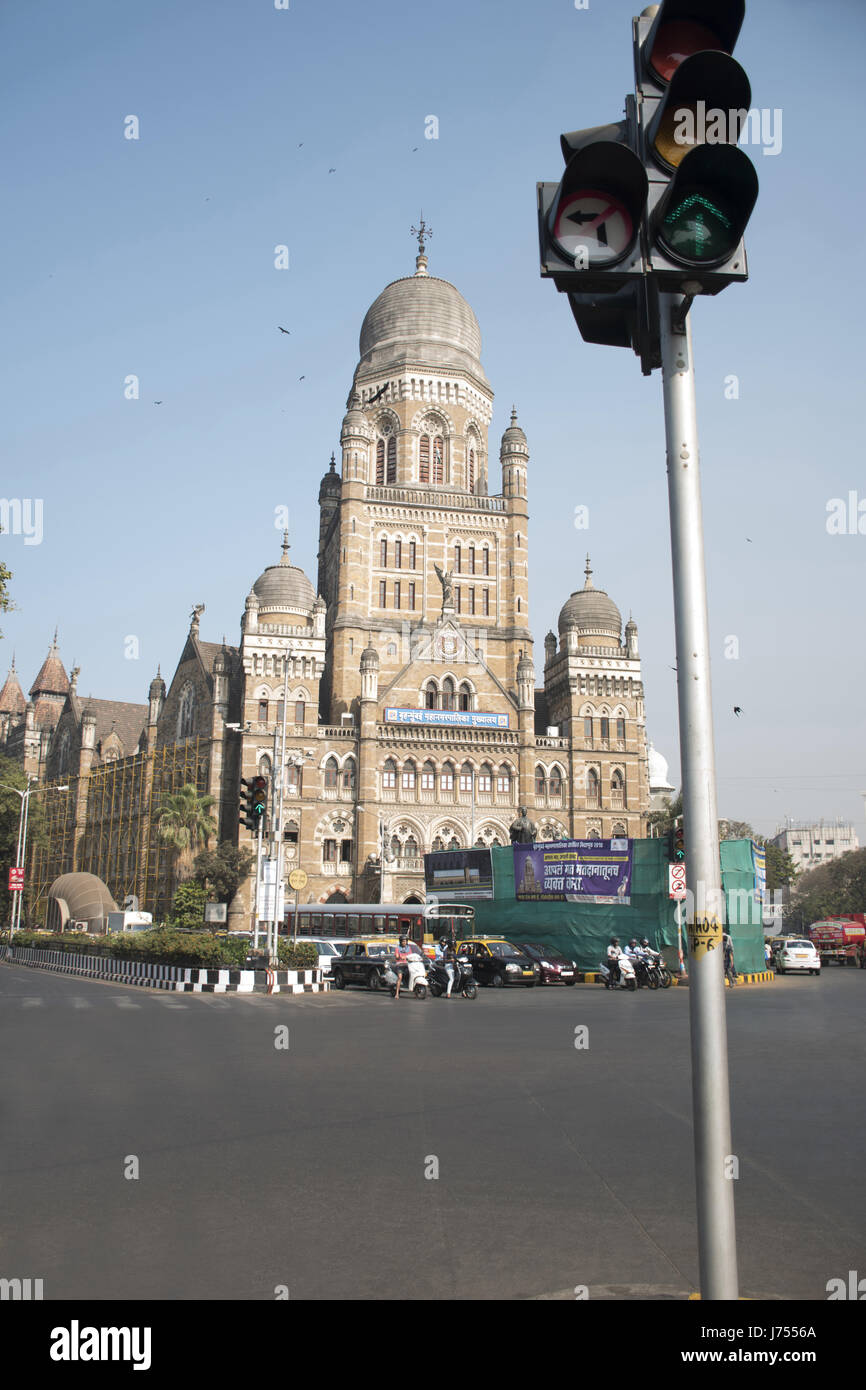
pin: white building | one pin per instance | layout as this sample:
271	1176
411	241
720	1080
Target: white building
811	845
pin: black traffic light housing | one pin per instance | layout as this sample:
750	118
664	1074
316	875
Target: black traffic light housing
259	797
246	804
679	840
684	27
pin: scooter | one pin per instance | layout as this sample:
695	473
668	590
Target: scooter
414	980
625	979
464	982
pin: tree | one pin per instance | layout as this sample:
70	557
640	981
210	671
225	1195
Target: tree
737	830
223	869
184	824
6	603
781	869
661	823
12	776
187	905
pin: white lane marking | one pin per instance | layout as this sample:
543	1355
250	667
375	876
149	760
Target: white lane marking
123	1001
78	1003
31	1001
170	1004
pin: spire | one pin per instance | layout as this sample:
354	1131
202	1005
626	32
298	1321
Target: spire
513	415
333	463
423	232
284	558
588	572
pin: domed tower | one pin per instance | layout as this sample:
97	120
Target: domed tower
415	537
595	694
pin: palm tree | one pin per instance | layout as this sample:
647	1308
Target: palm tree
185	826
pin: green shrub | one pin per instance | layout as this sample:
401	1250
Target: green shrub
298	955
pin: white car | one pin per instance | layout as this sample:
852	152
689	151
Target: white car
327	947
795	954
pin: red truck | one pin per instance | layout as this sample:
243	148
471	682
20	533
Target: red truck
841	939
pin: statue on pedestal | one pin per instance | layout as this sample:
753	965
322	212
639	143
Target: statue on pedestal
522	830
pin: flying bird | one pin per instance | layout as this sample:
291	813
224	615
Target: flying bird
301	378
332	171
157	402
737	710
415	149
284	330
378	394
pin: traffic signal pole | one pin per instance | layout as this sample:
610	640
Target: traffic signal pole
717	1251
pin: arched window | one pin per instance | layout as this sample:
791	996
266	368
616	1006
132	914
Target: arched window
264	766
485	778
593	833
486	560
424	459
458	554
465	696
396	848
438	845
540	782
467	772
398	557
408	778
186	712
389	773
410	850
428	777
438	460
471	470
454	843
330	773
448	693
555	784
383	554
348	775
503	781
392	459
592	788
617	791
380	461
431	695
472	559
446	778
619	831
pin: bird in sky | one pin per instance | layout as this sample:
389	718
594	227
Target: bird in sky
737	710
332	171
157	402
301	145
285	330
302	378
415	149
749	539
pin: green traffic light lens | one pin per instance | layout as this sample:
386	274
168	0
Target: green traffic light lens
699	227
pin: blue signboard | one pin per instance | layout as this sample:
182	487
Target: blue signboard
451	718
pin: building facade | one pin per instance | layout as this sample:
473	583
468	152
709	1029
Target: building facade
404	679
810	845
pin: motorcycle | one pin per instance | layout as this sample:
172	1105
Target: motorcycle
657	970
623	979
464	983
645	971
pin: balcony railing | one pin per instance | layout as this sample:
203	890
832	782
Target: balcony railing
435	497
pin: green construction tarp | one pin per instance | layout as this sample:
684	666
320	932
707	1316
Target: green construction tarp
743	907
582	931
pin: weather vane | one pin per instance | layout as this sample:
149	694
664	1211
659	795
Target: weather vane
421	232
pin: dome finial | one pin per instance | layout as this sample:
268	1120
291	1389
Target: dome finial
423	232
333	464
284	558
514	415
588	572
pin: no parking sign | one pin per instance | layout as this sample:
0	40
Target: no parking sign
677	881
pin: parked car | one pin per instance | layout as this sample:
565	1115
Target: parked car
498	962
553	966
328	948
364	960
796	954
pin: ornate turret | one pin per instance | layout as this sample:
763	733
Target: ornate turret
369	673
514	457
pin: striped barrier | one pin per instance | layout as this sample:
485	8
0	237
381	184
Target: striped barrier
183	978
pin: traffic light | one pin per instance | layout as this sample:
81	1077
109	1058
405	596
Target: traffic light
679	838
693	100
246	799
259	799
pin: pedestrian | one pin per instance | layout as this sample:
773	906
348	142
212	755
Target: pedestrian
730	968
768	954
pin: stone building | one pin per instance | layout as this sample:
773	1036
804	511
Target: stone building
404	677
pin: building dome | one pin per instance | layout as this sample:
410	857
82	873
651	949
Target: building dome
591	610
369	658
514	440
421	319
284	587
331	484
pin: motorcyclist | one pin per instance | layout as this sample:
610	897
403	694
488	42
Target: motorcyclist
401	957
446	959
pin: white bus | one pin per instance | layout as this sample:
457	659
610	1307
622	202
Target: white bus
420	922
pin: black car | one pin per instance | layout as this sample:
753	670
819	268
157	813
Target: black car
555	968
497	962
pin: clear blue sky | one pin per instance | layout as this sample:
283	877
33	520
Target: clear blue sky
155	257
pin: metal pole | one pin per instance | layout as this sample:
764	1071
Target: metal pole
25	802
280	773
710	1088
16	898
472	835
257	886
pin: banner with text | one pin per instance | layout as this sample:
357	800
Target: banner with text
596	871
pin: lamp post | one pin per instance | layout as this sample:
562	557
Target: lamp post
21	852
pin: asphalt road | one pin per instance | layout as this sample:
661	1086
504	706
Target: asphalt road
304	1167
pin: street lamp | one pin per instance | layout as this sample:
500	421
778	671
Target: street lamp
21	852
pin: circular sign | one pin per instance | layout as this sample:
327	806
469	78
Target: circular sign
593	228
297	879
